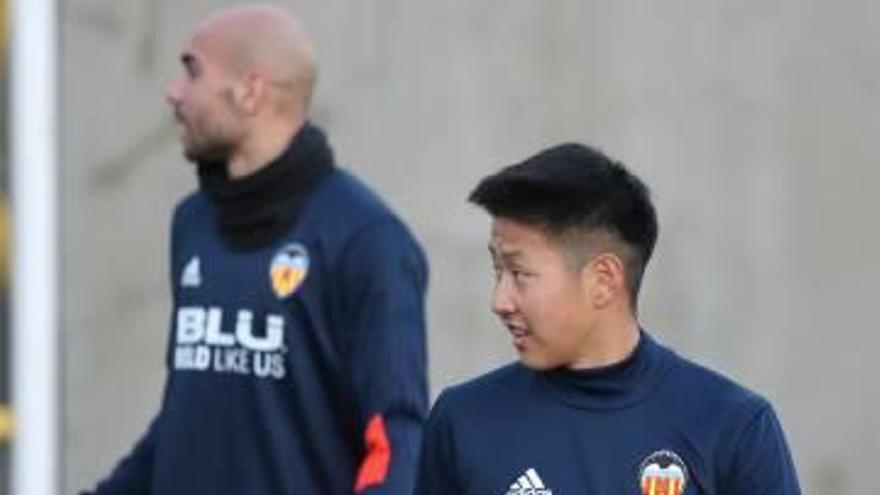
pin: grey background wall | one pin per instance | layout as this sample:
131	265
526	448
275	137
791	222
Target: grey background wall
755	122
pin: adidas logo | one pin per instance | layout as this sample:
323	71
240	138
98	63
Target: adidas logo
192	273
529	484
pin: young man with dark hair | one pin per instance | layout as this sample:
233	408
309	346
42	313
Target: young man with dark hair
596	405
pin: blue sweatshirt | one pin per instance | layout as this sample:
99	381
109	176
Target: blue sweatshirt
298	367
655	424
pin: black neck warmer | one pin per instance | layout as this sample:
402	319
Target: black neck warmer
257	209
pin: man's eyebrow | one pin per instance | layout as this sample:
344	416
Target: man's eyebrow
510	255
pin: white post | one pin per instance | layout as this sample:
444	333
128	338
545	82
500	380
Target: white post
33	127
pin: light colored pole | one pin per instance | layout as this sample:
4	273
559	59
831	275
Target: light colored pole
33	126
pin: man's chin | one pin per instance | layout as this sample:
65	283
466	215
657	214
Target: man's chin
201	155
190	156
535	363
194	156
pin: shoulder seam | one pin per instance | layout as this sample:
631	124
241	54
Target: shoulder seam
371	224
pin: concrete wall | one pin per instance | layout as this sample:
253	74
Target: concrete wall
755	123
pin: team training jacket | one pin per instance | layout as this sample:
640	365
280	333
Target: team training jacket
655	424
295	367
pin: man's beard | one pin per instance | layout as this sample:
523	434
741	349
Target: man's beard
207	150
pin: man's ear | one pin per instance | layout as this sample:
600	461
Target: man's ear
604	277
249	95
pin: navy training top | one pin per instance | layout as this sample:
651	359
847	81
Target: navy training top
655	424
295	368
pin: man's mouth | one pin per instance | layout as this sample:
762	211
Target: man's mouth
520	335
178	116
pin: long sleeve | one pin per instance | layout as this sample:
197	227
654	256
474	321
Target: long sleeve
436	475
132	476
385	276
761	463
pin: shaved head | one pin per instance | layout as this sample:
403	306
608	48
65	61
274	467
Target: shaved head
245	86
266	40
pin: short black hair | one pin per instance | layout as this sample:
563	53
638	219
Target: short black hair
572	190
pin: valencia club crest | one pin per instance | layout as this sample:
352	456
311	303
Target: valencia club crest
663	473
289	268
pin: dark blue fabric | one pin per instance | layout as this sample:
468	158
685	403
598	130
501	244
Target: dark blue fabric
596	432
353	347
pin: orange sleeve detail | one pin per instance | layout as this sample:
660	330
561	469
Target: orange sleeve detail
374	468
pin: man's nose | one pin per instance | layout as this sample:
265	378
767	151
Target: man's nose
502	302
172	90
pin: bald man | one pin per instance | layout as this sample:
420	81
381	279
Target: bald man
296	360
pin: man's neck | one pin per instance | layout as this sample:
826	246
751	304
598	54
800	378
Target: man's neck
608	345
261	147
